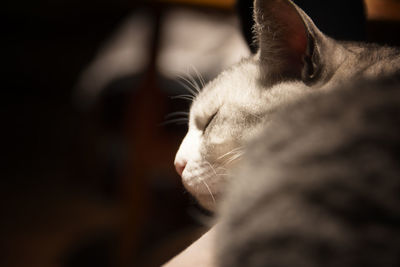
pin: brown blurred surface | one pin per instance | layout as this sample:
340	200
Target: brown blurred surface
383	21
227	4
383	9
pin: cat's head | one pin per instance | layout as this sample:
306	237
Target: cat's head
294	58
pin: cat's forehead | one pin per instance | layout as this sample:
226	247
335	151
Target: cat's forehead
239	91
231	86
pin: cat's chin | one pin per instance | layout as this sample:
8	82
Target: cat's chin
203	182
205	197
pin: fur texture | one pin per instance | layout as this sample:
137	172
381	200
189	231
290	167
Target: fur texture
321	185
319	178
315	125
294	60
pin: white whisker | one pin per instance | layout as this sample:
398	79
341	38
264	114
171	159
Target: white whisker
212	168
176	113
177	121
193	81
190	82
187	87
187	78
191	77
199	76
209	190
234	157
184	97
235	150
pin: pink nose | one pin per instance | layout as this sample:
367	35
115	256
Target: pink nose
180	166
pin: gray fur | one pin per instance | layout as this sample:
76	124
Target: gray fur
243	100
320	186
318	181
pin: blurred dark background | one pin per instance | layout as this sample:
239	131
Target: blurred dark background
88	176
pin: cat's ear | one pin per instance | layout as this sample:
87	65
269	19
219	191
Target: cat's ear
288	41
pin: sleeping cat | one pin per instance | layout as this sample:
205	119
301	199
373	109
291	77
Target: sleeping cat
313	127
294	61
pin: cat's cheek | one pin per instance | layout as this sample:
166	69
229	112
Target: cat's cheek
202	182
204	199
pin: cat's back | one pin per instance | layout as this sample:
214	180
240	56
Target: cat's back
321	186
371	59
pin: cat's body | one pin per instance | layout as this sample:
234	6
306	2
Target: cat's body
321	186
329	150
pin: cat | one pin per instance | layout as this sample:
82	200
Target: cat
321	185
311	129
295	60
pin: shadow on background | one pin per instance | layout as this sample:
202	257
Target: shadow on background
71	189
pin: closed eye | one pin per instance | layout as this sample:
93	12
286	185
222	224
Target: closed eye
209	120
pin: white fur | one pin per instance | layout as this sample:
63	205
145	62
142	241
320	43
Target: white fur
239	98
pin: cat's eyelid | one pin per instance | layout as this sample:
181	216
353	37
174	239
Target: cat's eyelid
210	119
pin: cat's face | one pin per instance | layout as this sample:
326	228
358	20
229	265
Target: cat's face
224	116
294	58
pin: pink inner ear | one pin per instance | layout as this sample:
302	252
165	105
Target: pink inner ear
297	40
284	38
293	32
